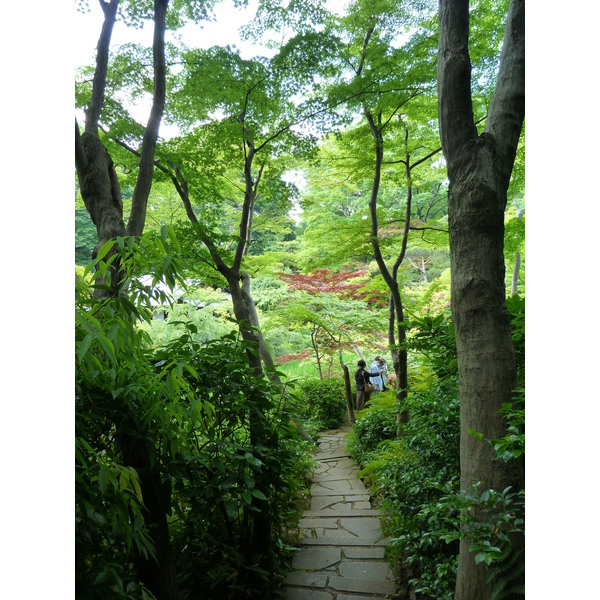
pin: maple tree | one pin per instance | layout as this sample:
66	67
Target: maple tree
327	281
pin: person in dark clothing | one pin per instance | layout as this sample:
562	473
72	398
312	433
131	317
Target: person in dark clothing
361	377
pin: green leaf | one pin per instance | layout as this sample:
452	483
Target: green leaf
83	347
103	477
104	250
258	494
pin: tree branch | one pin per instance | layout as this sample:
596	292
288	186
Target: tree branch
507	108
93	111
139	203
455	107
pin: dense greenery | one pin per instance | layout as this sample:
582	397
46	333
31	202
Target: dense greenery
307	186
415	476
320	403
188	405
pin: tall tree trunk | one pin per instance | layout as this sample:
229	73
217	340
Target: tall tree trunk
514	287
98	181
479	169
101	194
261	543
139	201
265	355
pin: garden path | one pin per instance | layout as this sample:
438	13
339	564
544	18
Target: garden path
342	550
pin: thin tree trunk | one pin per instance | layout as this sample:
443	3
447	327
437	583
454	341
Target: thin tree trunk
391	279
139	201
514	288
315	345
262	346
349	397
479	170
94	109
159	577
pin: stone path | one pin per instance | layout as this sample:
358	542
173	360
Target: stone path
342	550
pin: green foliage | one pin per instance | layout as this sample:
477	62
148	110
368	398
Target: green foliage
410	476
433	338
86	237
492	521
375	427
516	309
321	401
207	310
195	409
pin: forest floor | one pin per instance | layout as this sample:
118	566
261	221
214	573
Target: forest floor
342	550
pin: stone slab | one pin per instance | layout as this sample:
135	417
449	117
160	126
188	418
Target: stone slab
328	522
362	526
306	594
341	541
345	512
376	552
356	584
340	474
336	504
307	579
337	488
340	463
361	597
363	569
316	557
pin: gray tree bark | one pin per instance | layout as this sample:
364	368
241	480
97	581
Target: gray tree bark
479	168
139	201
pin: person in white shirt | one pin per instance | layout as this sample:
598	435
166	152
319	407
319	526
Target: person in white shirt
376	369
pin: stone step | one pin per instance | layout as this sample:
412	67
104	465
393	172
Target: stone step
329	456
328	513
338	541
342	552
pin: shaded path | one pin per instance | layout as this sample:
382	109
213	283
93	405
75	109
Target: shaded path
342	549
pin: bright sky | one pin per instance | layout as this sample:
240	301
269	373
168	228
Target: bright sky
222	31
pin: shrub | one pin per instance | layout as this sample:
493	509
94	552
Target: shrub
322	401
372	428
410	476
218	447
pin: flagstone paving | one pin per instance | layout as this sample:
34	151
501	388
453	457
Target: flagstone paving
342	552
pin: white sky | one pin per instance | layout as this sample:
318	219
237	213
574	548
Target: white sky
222	31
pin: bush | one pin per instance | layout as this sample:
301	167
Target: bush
375	426
410	476
322	401
212	455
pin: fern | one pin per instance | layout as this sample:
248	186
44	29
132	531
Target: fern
508	575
